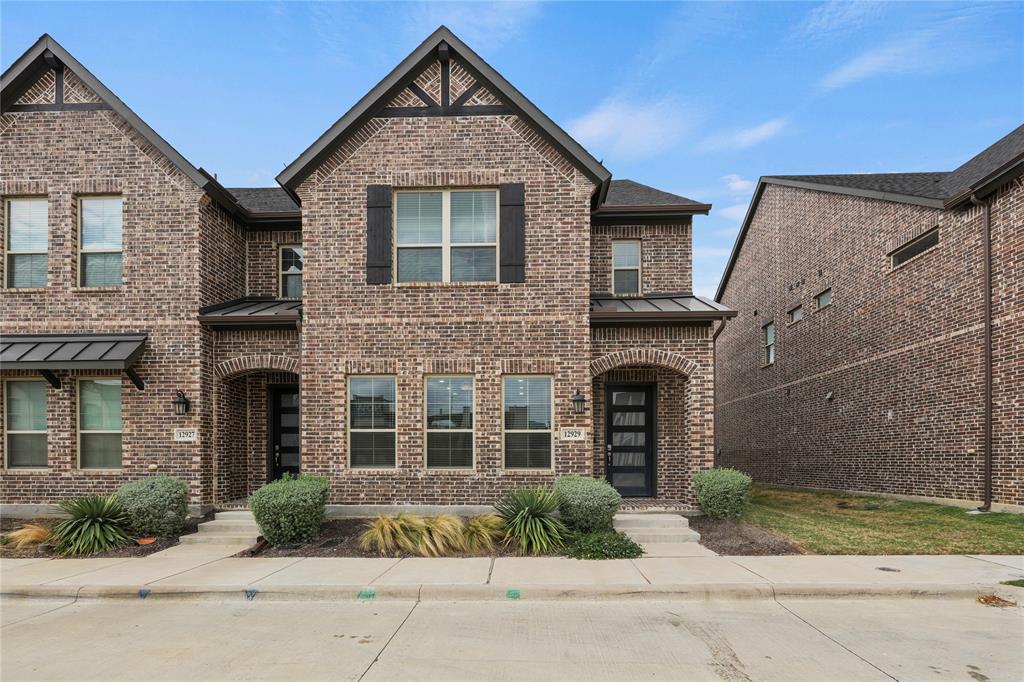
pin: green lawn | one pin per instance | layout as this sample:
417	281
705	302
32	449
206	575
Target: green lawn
838	523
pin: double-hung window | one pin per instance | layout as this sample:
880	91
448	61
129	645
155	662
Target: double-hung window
449	422
25	423
99	423
446	236
371	405
527	422
769	343
626	266
100	264
26	243
290	271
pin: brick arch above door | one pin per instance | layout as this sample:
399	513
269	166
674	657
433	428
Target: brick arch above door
643	356
245	364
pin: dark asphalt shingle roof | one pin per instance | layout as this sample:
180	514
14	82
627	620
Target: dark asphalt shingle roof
984	164
264	199
629	193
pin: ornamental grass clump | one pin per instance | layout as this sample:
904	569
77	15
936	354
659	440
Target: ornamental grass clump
390	535
28	535
95	523
156	506
442	535
482	533
290	510
586	504
722	493
529	516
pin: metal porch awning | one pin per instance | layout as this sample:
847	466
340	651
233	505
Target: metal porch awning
48	352
253	312
606	309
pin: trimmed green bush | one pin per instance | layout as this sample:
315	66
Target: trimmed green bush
290	511
529	516
156	506
722	493
602	544
586	504
94	523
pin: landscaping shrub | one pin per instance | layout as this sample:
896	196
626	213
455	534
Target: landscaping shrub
586	504
529	516
602	544
156	506
290	510
392	534
722	493
442	535
27	535
95	523
481	533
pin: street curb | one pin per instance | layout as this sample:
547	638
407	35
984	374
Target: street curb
441	593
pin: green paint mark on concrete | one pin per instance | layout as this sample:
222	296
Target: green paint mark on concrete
364	595
512	594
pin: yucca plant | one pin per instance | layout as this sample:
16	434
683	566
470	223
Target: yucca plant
442	535
481	533
95	523
392	534
29	534
529	519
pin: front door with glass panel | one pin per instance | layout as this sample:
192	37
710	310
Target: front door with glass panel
629	444
284	431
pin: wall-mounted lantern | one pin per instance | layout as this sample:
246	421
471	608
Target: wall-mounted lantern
579	402
181	404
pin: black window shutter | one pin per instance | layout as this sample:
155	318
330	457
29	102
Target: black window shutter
513	232
378	234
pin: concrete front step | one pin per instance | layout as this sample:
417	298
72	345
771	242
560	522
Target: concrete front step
627	521
218	539
237	515
229	529
656	528
662	535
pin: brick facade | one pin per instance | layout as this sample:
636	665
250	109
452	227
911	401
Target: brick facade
882	390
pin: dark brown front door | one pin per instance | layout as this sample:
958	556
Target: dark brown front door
629	443
284	430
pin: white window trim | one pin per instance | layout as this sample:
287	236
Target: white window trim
638	267
9	431
446	244
348	421
281	271
768	348
817	299
9	251
78	421
82	249
427	430
551	432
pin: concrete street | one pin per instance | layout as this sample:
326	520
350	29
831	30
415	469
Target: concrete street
796	639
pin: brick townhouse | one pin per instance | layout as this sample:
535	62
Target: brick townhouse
445	298
879	342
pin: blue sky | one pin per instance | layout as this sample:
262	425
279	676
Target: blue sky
694	98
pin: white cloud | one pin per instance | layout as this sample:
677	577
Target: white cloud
706	275
730	232
734	212
745	137
710	252
487	24
836	18
738	184
630	129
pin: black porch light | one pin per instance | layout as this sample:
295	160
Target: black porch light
181	403
579	402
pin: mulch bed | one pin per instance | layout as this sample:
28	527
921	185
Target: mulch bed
340	538
735	538
45	551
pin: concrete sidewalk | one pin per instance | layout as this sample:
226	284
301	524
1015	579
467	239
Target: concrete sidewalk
510	577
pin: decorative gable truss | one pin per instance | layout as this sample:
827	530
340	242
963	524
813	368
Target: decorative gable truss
57	89
445	87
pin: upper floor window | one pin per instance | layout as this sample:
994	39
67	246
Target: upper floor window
446	236
915	247
795	314
290	271
371	419
449	422
99	423
626	266
823	299
527	422
100	264
769	343
26	243
25	423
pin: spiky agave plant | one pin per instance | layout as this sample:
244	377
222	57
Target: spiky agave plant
392	534
29	534
529	519
95	523
481	533
442	535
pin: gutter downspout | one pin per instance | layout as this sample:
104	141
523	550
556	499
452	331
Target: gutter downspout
986	208
714	392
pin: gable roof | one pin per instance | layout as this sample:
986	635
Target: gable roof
979	176
630	193
403	74
259	200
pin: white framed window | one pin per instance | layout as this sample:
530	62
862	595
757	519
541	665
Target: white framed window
768	332
823	300
446	235
449	422
26	242
527	422
915	247
371	420
99	238
25	423
290	261
795	314
99	423
626	266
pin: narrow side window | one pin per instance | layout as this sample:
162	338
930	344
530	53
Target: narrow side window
25	423
914	248
100	243
290	264
26	243
626	267
769	343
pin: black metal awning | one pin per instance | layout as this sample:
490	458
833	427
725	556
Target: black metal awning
606	309
253	313
48	352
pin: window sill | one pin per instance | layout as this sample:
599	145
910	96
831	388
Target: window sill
823	308
913	259
26	471
520	472
444	285
767	365
458	471
102	472
24	290
373	470
97	290
793	324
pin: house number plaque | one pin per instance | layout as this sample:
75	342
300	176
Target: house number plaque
185	435
574	434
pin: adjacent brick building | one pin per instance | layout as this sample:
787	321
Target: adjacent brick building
446	297
876	289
